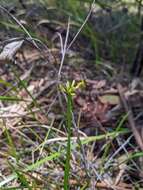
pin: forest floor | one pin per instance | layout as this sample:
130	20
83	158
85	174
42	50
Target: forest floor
107	117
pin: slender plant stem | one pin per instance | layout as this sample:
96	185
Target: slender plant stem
68	154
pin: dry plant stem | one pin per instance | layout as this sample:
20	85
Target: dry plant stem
63	52
19	23
80	29
63	49
31	39
130	117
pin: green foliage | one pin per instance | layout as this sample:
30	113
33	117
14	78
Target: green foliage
112	31
70	89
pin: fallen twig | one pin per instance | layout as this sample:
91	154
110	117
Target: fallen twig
130	118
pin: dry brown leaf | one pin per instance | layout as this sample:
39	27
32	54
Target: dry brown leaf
109	99
97	84
10	50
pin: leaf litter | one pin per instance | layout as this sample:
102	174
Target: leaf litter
39	121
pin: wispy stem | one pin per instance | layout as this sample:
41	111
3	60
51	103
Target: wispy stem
68	154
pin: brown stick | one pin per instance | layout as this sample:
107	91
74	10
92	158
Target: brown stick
130	117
